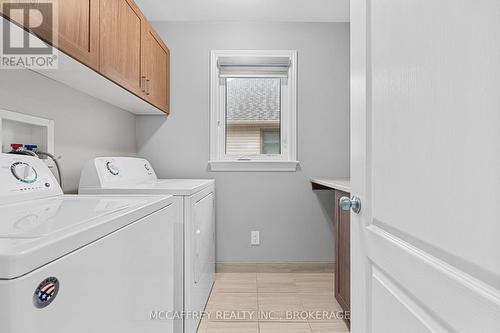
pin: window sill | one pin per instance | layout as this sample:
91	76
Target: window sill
257	166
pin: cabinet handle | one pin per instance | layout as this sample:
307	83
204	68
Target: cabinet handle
148	86
143	83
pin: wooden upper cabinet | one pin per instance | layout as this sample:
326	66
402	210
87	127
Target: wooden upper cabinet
156	70
110	36
78	30
77	27
121	29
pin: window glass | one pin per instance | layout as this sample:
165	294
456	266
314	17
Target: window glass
253	116
271	141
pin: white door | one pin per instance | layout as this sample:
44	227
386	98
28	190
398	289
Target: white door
426	165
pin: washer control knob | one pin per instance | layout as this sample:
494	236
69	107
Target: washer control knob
112	168
24	172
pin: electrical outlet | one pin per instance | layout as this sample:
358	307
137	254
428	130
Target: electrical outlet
255	238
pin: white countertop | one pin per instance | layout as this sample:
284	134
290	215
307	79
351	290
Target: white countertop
342	184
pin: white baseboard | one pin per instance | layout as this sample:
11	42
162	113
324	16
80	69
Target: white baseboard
275	267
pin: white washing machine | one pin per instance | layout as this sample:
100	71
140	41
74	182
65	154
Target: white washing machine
81	264
194	202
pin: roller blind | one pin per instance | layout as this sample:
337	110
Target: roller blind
238	66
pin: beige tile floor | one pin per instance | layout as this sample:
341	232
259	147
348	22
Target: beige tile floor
273	302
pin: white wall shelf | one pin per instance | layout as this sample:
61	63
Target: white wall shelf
24	129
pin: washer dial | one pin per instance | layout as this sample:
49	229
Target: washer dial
24	172
112	168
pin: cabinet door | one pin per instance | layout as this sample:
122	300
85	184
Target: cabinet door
343	262
156	70
77	26
78	30
121	25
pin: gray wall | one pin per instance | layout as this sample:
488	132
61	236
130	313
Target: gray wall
84	126
294	221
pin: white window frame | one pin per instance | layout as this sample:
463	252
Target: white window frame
287	160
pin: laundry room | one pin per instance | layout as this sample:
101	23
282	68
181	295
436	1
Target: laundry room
248	217
221	166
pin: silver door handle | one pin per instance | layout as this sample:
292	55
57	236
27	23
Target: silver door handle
353	203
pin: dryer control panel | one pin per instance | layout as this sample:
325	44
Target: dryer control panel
25	178
109	172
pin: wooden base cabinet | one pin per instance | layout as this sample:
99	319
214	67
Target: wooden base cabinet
343	245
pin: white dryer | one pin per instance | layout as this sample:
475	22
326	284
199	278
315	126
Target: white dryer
81	264
194	201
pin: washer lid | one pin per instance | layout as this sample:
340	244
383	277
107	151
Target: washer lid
37	232
55	214
179	187
176	186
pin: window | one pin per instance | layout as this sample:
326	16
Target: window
253	111
252	105
271	141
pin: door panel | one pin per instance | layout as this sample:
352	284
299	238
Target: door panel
78	28
203	214
450	296
157	67
159	75
396	304
40	21
120	43
199	256
425	134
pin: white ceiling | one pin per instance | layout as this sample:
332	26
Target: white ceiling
246	10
